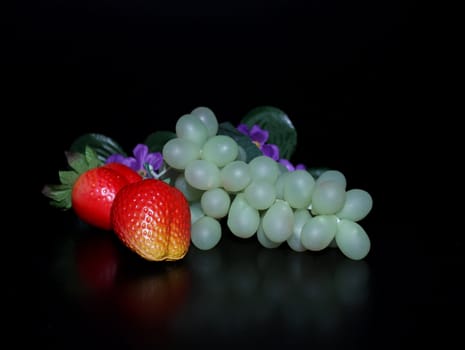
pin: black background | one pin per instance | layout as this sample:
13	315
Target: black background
354	78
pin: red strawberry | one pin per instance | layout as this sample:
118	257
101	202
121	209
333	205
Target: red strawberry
93	194
89	188
124	170
153	219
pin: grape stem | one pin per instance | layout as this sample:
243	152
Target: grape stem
153	174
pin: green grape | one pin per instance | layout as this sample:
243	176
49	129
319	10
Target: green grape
215	203
300	218
243	219
352	239
241	154
279	184
298	189
260	194
192	194
278	221
332	175
202	174
206	233
328	197
282	168
179	152
191	128
235	176
264	168
357	205
263	239
196	211
208	118
220	150
318	232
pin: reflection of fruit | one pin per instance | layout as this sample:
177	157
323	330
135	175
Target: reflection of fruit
152	218
97	263
149	302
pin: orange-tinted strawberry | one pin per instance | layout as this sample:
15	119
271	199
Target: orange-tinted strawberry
152	218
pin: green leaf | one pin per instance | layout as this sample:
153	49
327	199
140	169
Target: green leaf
103	145
77	161
92	157
251	149
60	195
68	177
156	140
280	128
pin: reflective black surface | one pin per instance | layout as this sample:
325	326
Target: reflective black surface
85	289
351	78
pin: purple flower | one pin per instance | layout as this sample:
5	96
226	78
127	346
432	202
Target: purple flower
290	166
259	137
142	158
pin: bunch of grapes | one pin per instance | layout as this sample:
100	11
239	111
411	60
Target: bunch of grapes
261	198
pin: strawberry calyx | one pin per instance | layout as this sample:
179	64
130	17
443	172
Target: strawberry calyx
60	194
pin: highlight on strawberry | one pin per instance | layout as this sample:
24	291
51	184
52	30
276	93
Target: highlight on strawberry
182	188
